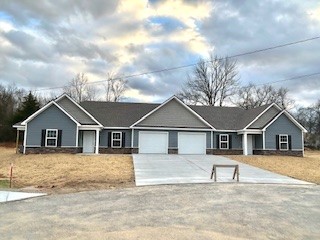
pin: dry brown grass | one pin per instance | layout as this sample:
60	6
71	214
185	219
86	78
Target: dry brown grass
66	172
304	168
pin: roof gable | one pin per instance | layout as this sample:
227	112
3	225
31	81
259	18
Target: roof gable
172	113
265	117
41	110
74	109
289	116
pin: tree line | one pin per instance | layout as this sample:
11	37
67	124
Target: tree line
214	82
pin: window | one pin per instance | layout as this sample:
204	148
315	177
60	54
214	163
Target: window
224	141
116	139
51	137
283	142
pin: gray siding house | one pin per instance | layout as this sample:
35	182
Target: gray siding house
168	128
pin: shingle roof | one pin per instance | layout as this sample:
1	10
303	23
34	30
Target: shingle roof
117	114
79	115
120	114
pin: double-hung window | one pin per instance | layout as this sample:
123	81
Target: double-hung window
224	141
283	142
51	137
116	139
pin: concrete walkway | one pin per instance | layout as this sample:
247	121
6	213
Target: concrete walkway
154	169
8	196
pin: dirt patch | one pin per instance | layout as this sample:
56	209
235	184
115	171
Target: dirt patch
303	168
60	173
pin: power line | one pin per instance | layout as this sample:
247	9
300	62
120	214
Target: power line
194	64
291	78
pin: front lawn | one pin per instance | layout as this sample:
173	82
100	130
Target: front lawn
304	168
66	172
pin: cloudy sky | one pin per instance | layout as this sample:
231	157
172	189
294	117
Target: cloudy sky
43	44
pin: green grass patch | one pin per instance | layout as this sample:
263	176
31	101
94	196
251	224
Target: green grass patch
4	183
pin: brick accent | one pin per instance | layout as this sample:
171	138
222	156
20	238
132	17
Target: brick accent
224	152
278	152
115	150
173	150
45	150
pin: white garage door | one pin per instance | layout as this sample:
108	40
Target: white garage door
191	143
153	142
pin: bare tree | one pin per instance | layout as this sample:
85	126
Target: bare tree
114	88
211	83
253	96
79	89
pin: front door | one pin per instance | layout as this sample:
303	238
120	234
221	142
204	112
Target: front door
88	141
250	144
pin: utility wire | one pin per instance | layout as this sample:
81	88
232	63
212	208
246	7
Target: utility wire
193	64
290	79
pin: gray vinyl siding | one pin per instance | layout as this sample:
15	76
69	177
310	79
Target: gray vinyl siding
283	125
265	118
52	118
258	141
173	137
236	140
75	111
104	137
173	114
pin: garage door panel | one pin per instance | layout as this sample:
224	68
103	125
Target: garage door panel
192	143
153	142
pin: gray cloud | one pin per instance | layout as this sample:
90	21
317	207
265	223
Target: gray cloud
52	40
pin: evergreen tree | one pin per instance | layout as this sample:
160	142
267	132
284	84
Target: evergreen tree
29	105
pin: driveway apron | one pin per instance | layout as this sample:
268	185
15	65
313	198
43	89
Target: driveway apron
155	169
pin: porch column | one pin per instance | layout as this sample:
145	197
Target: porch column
245	144
97	141
17	141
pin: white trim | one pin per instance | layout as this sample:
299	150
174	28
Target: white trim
81	127
81	108
253	131
132	137
226	141
120	146
245	144
290	117
116	128
25	139
77	137
226	130
167	101
179	129
20	128
284	142
263	140
51	138
211	139
256	118
97	141
302	143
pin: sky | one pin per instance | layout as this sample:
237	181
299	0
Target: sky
43	44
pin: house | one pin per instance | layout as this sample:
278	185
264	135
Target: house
168	128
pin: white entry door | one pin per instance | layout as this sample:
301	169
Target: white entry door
153	142
191	143
250	144
88	141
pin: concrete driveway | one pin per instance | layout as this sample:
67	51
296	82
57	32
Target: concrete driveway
189	211
154	169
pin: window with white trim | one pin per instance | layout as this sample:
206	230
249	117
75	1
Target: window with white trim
283	142
51	137
116	139
224	141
